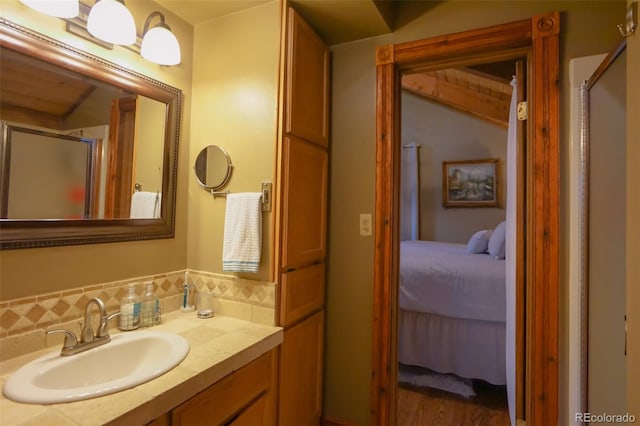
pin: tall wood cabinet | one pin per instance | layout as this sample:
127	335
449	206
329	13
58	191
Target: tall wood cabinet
301	229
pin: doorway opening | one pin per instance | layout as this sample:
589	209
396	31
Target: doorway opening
452	301
536	40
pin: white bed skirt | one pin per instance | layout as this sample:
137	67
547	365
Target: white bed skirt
468	348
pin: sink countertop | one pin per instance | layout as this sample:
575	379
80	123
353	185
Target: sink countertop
218	346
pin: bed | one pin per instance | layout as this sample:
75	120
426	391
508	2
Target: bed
452	310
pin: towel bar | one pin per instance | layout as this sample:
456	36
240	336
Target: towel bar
220	193
266	195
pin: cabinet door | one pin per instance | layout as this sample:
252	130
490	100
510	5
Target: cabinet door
253	415
301	373
226	400
304	213
307	82
301	293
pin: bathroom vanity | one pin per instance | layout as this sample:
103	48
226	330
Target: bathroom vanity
245	397
228	377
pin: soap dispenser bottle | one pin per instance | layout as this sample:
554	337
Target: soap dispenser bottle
150	314
129	318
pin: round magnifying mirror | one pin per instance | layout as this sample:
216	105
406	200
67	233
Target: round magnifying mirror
213	167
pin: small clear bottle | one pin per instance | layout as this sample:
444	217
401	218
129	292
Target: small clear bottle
129	318
150	314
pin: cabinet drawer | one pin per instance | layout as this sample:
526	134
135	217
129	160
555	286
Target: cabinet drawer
254	415
225	399
302	293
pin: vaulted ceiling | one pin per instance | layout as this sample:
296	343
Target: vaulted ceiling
337	21
468	90
482	90
41	94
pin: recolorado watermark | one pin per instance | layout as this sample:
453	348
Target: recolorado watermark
605	418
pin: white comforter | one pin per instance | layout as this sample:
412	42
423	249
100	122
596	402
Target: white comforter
443	279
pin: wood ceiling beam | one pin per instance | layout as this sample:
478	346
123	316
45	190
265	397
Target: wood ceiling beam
491	108
23	115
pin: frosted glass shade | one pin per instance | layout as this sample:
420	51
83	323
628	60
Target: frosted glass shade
111	21
159	45
57	8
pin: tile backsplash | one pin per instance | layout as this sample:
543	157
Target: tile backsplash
23	322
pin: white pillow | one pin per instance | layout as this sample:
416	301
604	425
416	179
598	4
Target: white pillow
497	241
479	241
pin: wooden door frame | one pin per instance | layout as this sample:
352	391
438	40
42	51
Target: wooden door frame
120	158
537	39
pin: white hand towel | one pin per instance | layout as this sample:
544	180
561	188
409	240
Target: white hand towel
242	233
145	205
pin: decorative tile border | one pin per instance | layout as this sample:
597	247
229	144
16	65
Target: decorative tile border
42	311
230	287
28	318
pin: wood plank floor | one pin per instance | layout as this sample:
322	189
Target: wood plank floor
431	407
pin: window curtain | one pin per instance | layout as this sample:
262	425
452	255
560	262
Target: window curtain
510	252
410	193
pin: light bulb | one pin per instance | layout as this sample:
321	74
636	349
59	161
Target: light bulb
111	21
57	8
161	46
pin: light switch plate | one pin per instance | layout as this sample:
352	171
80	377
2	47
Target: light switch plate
366	225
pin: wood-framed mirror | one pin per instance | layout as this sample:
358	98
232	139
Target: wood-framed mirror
535	40
58	92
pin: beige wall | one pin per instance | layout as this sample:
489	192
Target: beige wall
148	146
633	225
235	84
95	110
587	28
445	134
34	271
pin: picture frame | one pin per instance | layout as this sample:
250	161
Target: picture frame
471	183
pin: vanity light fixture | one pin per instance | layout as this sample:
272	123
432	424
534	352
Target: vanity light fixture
111	21
159	44
57	8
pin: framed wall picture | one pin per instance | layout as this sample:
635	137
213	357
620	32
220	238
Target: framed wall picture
471	183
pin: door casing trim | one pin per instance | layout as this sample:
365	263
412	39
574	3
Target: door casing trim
539	38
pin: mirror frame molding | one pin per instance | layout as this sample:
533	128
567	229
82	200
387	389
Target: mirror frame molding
16	234
536	38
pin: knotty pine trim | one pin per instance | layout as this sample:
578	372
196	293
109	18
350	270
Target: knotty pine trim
537	40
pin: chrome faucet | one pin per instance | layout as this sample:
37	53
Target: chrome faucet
87	330
88	339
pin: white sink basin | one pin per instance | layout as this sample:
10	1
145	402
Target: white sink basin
127	361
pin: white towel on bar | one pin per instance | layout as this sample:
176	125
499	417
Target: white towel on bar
242	233
145	205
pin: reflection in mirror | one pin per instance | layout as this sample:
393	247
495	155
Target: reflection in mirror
213	167
65	112
63	105
47	175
